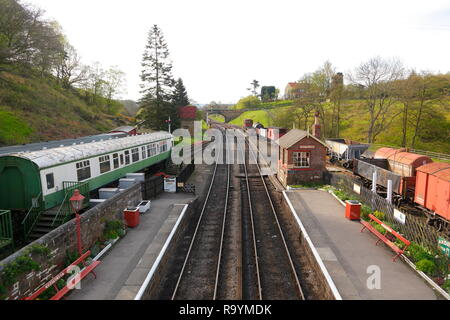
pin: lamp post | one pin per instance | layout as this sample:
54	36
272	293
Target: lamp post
170	124
76	202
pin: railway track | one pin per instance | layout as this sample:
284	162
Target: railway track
198	278
238	251
274	270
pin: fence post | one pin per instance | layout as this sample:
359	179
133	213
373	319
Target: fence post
374	181
389	191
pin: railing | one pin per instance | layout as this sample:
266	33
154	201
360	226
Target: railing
32	216
65	210
6	229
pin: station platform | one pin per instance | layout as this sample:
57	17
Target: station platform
349	254
124	268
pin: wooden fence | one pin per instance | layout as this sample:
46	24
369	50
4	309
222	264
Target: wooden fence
415	227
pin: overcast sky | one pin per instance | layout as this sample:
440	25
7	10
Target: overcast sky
219	47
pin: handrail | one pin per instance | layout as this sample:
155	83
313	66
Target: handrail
31	209
5	225
60	209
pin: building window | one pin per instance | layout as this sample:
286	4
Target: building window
301	159
50	181
144	152
135	154
127	157
116	160
105	164
83	170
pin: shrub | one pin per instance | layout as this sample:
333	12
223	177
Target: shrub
365	211
380	215
113	229
417	252
446	285
427	266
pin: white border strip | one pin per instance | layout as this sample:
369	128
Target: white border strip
330	282
160	256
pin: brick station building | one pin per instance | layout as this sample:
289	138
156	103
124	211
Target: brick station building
302	156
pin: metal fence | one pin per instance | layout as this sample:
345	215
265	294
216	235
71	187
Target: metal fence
415	227
152	187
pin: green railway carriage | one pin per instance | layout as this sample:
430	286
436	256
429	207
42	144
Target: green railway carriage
37	179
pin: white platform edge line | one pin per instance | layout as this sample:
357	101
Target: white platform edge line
330	282
411	264
161	254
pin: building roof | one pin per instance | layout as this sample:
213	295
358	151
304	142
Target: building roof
52	157
295	135
292	84
438	169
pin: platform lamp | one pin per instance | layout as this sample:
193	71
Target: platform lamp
76	202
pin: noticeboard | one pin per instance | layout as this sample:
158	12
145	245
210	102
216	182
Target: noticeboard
444	245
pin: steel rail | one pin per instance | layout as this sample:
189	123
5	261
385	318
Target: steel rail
198	225
222	235
299	287
252	227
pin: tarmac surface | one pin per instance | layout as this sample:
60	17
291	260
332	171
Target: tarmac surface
124	268
351	257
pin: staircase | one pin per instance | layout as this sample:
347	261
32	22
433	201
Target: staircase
47	221
40	222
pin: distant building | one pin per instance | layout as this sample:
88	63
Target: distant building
294	90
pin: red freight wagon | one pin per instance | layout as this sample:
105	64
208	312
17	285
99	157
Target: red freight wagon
433	188
271	132
401	162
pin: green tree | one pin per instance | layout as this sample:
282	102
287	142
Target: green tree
268	93
157	82
254	87
180	97
250	102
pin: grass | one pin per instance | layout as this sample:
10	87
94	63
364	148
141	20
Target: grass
261	116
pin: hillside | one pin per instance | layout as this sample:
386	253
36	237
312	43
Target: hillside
354	121
33	108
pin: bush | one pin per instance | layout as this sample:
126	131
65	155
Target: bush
446	285
380	215
427	266
113	229
250	102
365	211
417	252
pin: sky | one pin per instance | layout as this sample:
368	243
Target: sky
219	47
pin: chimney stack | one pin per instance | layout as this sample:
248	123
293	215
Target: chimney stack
316	126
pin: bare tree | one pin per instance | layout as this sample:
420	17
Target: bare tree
377	76
69	70
114	83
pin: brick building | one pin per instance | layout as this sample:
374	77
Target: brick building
302	156
187	115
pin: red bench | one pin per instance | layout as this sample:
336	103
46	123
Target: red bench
60	293
381	237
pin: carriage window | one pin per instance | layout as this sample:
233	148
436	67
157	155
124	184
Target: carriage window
127	157
301	159
116	160
83	170
121	159
163	147
50	181
105	164
144	152
152	148
135	154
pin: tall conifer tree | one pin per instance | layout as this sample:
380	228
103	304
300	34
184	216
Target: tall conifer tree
180	97
157	82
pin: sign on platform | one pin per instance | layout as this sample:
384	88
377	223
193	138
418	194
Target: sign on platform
444	245
170	185
357	188
399	216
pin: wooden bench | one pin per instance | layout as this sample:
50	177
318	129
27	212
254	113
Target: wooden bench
74	281
381	237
